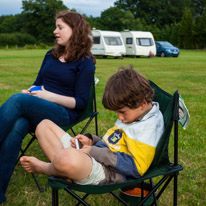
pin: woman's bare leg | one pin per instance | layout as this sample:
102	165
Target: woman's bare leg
48	135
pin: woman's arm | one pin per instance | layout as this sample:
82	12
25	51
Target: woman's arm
65	101
83	83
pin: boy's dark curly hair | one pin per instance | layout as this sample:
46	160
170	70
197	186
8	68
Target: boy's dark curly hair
127	88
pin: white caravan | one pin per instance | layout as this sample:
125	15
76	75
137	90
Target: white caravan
139	43
107	43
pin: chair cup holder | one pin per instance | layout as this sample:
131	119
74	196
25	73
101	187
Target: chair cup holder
132	194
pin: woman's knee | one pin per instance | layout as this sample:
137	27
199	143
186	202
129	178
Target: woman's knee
19	101
19	97
13	101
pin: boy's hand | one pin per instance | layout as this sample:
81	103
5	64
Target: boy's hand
86	149
84	140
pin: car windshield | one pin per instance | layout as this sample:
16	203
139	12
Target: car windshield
114	41
166	44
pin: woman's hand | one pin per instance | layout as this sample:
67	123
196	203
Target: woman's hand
25	91
65	101
44	94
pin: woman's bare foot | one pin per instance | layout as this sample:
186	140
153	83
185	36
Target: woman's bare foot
34	165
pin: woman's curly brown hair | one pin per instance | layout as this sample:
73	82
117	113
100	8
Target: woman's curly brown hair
80	43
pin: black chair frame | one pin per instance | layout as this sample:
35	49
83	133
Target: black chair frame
170	173
89	112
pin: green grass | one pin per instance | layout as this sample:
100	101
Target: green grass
187	73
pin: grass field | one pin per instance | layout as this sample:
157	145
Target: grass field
187	73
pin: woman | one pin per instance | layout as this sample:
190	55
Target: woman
64	79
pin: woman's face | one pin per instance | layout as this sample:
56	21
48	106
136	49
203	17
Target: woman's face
62	32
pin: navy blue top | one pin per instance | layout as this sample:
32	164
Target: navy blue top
71	79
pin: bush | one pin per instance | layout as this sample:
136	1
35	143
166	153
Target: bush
19	39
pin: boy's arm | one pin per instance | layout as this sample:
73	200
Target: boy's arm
119	161
136	160
94	138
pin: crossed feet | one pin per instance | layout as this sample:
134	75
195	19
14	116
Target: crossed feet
33	165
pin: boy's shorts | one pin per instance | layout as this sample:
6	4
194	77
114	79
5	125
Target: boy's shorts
97	174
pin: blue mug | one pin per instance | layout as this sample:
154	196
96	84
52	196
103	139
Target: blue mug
36	88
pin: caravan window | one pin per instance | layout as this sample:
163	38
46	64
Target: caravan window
113	41
129	40
96	40
144	42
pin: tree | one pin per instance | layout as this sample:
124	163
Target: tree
130	23
95	22
19	39
200	31
186	30
159	12
203	30
174	28
139	8
39	18
197	7
165	33
116	19
10	23
111	19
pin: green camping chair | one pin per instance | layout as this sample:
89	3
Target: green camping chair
161	166
89	113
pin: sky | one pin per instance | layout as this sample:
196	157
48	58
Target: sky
88	7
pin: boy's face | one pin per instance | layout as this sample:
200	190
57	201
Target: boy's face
127	115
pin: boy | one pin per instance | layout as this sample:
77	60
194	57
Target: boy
124	153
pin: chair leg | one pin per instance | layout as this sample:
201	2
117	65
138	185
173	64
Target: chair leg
96	125
118	198
55	201
80	200
41	189
23	151
154	194
83	198
175	190
87	124
166	178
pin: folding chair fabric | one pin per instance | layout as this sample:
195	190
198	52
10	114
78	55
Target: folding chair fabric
160	166
89	112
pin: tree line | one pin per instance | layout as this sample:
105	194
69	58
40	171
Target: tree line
181	22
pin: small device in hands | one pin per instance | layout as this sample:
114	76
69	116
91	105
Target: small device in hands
36	88
77	143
